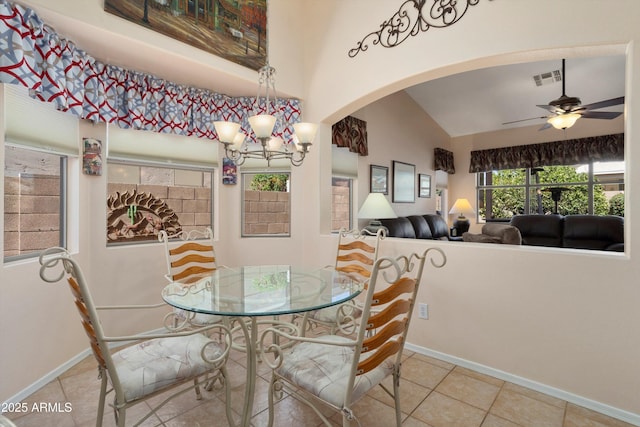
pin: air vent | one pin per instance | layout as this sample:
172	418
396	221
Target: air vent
547	78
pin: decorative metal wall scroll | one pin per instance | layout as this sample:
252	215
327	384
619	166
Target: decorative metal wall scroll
414	17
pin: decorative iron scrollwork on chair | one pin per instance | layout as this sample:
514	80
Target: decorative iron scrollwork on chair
414	17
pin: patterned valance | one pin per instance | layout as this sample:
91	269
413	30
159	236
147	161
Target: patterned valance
568	152
352	133
443	160
55	70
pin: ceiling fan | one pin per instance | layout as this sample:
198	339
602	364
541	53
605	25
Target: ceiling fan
566	110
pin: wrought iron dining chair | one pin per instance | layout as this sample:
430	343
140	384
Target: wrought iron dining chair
154	364
356	253
337	371
193	257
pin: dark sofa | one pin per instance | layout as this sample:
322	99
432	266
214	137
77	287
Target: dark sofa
599	232
429	226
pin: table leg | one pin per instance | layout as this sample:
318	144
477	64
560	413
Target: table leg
250	347
252	373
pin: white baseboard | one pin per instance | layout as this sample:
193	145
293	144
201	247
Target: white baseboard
43	381
610	411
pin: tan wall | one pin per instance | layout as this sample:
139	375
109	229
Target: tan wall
340	207
266	212
31	214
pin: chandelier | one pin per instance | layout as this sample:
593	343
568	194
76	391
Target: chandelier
271	147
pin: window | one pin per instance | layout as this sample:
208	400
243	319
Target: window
341	193
34	201
143	199
266	206
593	188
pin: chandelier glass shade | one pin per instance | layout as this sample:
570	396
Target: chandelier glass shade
270	147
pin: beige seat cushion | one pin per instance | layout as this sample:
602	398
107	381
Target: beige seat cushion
151	365
324	370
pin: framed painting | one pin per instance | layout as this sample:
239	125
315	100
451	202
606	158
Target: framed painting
91	156
404	182
236	31
379	179
229	172
424	182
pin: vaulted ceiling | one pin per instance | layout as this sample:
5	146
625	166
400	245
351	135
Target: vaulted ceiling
482	100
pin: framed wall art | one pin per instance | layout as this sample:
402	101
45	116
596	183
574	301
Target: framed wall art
379	179
424	188
91	156
404	182
229	172
236	31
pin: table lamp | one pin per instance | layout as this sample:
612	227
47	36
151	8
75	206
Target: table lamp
376	207
461	207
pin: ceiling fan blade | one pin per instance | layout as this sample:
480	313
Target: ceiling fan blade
601	115
524	120
552	109
607	103
545	126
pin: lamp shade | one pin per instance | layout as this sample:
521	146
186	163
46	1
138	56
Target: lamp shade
238	140
376	206
461	207
262	125
226	131
274	143
563	121
305	132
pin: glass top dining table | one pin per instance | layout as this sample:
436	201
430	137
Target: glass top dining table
259	291
264	290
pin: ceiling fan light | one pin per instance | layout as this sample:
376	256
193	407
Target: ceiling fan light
563	121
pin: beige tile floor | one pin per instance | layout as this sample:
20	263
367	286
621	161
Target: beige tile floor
434	394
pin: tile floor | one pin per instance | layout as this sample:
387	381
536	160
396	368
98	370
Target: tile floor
434	394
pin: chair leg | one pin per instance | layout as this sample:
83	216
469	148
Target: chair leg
103	397
197	388
347	416
120	414
396	396
275	390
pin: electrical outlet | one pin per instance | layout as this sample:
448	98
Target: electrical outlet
423	311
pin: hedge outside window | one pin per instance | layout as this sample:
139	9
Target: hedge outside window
592	188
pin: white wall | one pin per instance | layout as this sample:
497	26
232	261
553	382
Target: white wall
38	318
398	129
564	319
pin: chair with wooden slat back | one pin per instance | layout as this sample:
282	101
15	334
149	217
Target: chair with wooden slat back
356	252
192	258
337	371
155	363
